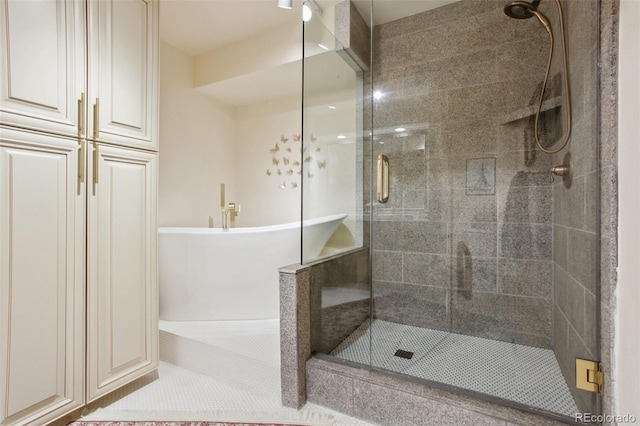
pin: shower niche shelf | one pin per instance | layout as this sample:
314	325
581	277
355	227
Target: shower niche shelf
528	111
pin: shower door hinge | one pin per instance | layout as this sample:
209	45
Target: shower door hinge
589	376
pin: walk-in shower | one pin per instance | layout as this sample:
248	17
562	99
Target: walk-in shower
482	270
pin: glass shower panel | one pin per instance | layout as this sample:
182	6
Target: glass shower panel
483	269
332	171
331	149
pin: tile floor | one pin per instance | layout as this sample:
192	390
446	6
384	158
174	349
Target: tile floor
519	373
222	370
230	370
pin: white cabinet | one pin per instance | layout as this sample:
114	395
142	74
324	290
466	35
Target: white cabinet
66	338
45	68
43	61
122	290
41	278
123	76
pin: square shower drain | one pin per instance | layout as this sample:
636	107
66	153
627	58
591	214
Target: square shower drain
403	354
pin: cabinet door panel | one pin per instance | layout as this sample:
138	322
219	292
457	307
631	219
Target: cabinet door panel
122	285
123	71
43	64
41	279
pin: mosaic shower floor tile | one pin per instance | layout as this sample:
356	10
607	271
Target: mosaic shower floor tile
519	373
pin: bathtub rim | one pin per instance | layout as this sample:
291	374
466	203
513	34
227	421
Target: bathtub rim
249	229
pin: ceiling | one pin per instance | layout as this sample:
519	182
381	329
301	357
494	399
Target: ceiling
199	26
391	10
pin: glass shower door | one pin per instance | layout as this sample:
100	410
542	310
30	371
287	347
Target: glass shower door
483	273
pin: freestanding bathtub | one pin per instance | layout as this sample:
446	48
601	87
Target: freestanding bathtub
232	274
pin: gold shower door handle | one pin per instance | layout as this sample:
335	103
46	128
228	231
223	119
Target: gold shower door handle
383	178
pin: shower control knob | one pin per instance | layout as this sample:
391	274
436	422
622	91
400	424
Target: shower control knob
558	171
565	170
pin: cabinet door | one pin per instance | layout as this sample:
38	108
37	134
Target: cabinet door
122	279
123	72
42	63
41	278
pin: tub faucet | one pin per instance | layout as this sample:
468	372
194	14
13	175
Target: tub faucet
229	214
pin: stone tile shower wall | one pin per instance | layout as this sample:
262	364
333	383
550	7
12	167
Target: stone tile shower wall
575	209
335	312
461	80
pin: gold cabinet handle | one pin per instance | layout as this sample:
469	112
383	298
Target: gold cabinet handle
81	124
81	120
96	119
95	166
81	161
383	179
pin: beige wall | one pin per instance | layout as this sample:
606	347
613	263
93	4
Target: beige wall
259	129
197	138
205	143
266	50
626	375
332	189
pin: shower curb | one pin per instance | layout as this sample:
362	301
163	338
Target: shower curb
388	400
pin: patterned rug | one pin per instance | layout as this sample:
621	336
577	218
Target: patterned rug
172	423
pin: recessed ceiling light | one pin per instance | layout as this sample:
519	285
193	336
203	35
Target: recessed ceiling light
342	137
377	94
322	46
400	129
332	107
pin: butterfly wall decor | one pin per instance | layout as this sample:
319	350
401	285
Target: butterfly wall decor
311	163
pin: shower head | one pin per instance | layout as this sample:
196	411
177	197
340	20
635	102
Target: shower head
525	10
520	10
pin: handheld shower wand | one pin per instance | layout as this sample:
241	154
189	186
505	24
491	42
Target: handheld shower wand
524	10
